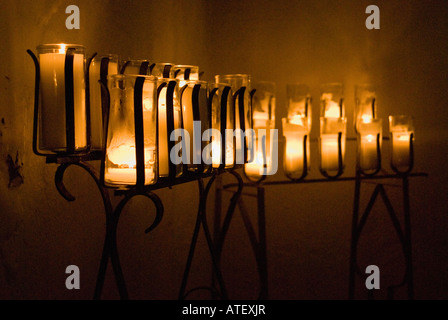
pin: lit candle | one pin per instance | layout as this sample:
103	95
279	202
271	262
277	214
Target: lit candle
187	114
255	167
332	129
295	131
163	136
368	143
125	172
216	153
120	164
96	110
368	154
401	156
52	89
365	108
294	154
402	129
329	152
238	81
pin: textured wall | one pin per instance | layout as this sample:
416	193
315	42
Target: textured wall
308	226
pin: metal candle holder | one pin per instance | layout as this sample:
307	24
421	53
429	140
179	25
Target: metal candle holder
70	148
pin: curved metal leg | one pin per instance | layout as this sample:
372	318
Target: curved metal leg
228	217
59	175
222	230
258	244
113	233
112	217
404	237
202	220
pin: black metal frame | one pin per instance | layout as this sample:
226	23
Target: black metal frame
403	233
69	106
81	159
215	242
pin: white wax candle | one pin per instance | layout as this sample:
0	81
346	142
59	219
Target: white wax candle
238	143
294	155
96	112
52	88
122	156
256	167
401	149
126	175
368	154
216	153
163	137
187	113
329	152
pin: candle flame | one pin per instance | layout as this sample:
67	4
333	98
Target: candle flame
332	110
297	119
366	118
122	155
403	137
369	137
62	48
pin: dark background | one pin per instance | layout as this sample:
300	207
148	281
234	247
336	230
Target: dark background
308	226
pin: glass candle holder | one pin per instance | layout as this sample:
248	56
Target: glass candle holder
245	138
263	119
332	145
131	147
332	131
196	120
263	104
401	128
62	119
222	125
162	70
141	67
298	104
369	146
185	73
332	101
296	157
100	68
170	117
365	104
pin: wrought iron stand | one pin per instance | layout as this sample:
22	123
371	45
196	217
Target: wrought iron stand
214	245
403	232
110	250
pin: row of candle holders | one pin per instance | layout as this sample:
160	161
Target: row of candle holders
332	140
129	115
